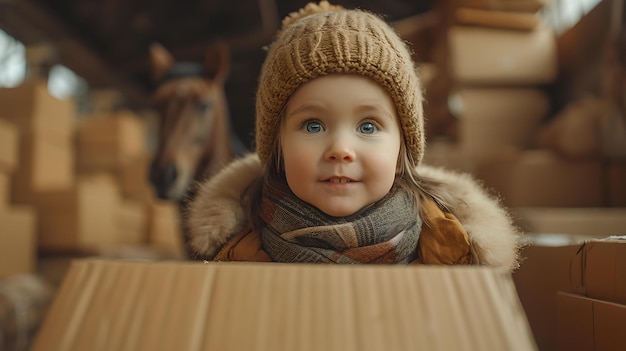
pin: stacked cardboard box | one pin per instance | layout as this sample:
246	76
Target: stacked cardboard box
46	152
109	140
505	16
500	70
596	222
9	144
540	178
44	162
616	185
17	240
114	143
132	228
23	296
17	222
572	289
70	190
493	118
81	218
593	319
500	56
133	179
503	56
72	210
164	228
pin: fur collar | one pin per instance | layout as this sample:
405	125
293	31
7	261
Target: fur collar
215	214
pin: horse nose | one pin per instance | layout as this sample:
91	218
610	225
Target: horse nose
163	178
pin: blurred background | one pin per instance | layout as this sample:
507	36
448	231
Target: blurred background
526	95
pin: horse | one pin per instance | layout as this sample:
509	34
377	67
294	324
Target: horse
195	136
195	139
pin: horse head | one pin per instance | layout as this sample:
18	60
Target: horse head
194	129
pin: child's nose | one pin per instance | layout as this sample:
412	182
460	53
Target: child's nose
340	149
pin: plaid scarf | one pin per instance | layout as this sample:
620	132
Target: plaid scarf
385	233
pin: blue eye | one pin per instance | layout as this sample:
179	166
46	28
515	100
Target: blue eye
367	128
313	127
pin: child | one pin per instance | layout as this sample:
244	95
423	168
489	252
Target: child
337	176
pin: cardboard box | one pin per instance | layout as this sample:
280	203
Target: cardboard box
540	178
503	57
505	5
497	18
82	218
448	154
122	305
580	265
46	164
9	139
492	118
132	222
604	269
133	179
107	141
589	324
165	227
547	266
617	184
597	222
5	190
17	240
31	108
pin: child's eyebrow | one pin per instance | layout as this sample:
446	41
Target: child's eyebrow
369	107
315	108
366	107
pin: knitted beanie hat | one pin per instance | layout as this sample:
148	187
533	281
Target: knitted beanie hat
323	39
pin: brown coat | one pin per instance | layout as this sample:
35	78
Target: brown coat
476	230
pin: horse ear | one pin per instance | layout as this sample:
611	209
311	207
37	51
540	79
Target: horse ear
217	62
161	61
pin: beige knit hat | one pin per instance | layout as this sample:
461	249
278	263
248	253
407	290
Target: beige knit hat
322	39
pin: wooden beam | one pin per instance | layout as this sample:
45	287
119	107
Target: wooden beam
31	24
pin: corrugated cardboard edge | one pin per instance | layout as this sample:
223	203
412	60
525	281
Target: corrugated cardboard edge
121	305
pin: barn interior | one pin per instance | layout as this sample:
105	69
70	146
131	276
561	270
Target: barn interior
527	96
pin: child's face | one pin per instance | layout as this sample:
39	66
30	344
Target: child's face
340	142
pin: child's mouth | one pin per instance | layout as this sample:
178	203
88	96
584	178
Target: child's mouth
339	180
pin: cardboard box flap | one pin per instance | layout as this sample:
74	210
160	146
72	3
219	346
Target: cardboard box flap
604	263
125	305
589	324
